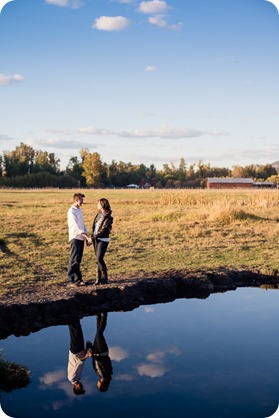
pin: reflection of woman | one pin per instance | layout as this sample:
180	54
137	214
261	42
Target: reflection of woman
77	356
100	355
101	228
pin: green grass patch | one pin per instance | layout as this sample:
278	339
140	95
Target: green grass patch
12	375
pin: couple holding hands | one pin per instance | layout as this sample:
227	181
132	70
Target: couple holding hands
98	351
78	234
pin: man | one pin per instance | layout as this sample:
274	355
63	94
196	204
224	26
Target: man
77	235
77	356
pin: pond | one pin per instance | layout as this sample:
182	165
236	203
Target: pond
196	358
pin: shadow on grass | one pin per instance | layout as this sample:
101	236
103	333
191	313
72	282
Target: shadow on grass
252	217
241	215
4	248
19	235
38	271
25	235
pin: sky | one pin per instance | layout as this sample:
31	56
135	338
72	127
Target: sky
142	81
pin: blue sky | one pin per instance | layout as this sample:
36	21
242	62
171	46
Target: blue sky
142	81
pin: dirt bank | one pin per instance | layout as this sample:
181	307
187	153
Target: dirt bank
40	307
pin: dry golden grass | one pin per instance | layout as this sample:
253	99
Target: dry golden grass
153	230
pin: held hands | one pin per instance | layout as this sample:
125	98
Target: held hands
89	241
89	349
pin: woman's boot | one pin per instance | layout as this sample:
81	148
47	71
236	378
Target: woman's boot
104	276
98	276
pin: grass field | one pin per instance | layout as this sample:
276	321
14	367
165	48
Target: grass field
153	230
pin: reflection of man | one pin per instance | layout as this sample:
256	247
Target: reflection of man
77	356
100	355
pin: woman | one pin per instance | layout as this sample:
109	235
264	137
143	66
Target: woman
100	354
101	228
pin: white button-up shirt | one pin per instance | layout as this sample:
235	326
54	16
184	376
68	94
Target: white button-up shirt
75	366
76	224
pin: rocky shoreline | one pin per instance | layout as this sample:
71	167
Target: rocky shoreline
51	305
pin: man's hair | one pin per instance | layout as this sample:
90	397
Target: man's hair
78	196
78	389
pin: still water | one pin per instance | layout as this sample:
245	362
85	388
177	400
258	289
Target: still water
193	358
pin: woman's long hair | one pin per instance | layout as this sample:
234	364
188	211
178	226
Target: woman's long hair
105	205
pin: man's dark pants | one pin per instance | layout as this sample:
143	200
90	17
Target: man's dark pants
76	252
76	335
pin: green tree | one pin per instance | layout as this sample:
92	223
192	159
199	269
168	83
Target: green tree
123	178
1	166
265	171
112	173
93	169
182	172
274	179
168	172
18	162
75	170
191	175
46	162
244	172
84	152
151	171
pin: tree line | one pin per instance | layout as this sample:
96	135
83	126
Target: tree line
26	167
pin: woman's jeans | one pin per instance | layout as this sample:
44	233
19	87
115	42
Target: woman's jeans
100	248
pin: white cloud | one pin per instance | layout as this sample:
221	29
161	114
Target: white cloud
96	131
158	20
111	23
118	353
148	309
155	367
177	26
4	137
59	144
158	9
5	80
153	7
152	370
156	357
51	378
73	4
58	131
159	356
57	379
162	132
150	68
61	3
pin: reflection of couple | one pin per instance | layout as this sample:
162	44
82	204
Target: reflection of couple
98	351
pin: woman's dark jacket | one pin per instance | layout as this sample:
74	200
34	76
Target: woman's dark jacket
106	221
